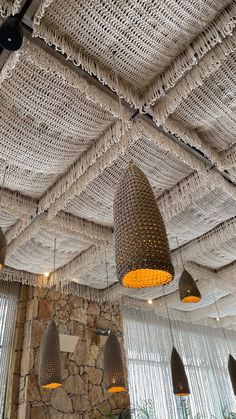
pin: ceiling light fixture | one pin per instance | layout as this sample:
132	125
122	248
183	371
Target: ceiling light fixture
141	245
150	302
188	290
179	377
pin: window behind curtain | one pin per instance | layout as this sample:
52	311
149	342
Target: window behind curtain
204	352
9	292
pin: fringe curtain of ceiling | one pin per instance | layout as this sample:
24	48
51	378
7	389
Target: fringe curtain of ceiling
203	351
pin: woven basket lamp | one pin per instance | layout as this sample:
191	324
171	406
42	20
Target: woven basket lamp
232	372
179	377
141	245
50	368
113	366
188	290
3	249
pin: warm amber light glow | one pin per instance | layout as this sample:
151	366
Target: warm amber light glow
141	278
116	389
182	394
1	266
52	385
191	299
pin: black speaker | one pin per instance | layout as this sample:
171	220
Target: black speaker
11	34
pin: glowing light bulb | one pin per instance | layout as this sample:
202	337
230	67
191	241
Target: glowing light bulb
46	274
149	301
217	319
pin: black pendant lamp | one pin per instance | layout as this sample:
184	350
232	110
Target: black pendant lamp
50	368
141	245
178	374
113	366
232	372
179	377
11	34
188	289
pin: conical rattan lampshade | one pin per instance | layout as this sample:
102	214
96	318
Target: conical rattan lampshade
141	245
179	378
113	366
50	368
188	290
232	372
3	249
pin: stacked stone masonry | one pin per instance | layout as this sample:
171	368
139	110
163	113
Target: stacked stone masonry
82	394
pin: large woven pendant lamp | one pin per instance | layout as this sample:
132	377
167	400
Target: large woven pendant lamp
179	377
3	241
141	245
113	366
50	368
188	289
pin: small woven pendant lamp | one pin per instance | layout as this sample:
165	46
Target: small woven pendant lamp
179	377
141	245
50	368
113	366
232	372
188	290
3	241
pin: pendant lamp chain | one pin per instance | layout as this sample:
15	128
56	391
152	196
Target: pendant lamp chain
119	98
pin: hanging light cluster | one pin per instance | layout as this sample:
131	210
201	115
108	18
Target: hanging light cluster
141	245
50	368
113	366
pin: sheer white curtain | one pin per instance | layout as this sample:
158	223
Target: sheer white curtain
204	352
9	292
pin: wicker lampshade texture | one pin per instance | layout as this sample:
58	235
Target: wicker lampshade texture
50	368
232	372
141	245
188	290
179	377
113	366
3	249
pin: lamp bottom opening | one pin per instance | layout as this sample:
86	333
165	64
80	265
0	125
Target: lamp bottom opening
116	389
52	385
191	299
142	278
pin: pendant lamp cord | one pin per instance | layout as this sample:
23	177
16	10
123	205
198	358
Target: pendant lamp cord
220	320
3	183
54	254
177	241
168	316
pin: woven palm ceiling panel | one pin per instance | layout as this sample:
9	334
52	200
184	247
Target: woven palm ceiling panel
141	33
211	108
40	113
67	139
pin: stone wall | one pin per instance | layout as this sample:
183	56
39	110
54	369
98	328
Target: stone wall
82	394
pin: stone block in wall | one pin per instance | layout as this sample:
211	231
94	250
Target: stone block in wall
79	315
74	385
54	414
32	309
27	361
32	387
93	309
94	375
23	411
45	309
38	412
37	330
96	395
61	401
80	354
